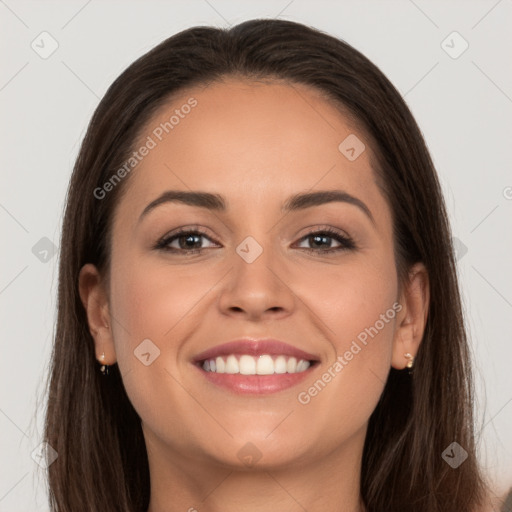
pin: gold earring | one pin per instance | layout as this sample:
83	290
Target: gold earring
410	362
104	367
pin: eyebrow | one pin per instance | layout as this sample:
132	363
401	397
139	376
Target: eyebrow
216	202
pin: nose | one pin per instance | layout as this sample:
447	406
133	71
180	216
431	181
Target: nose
259	288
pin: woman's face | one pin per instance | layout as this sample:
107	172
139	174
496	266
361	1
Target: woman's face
258	275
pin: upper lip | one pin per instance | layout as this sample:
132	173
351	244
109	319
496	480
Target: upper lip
255	347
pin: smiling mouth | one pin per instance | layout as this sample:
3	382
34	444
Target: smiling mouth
264	364
255	366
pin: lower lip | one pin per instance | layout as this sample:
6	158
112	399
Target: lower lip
256	384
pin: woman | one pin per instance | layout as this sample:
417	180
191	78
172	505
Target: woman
258	305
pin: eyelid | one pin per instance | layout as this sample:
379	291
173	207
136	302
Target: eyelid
321	228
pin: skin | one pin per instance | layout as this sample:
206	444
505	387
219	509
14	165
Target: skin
256	144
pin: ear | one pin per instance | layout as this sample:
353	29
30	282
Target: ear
412	318
95	300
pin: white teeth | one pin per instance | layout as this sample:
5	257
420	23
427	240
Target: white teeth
301	366
220	365
262	365
232	365
265	365
291	366
247	365
280	364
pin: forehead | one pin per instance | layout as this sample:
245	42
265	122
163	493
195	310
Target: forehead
250	142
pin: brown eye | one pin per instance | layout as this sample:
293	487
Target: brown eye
319	239
184	241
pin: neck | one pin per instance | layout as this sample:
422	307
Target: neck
328	484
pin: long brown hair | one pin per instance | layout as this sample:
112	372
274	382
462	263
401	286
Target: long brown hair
102	462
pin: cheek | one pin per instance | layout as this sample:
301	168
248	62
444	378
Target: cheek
358	317
150	300
353	300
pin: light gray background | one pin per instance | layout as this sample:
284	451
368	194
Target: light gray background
463	106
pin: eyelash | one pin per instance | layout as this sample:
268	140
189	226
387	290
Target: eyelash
346	242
